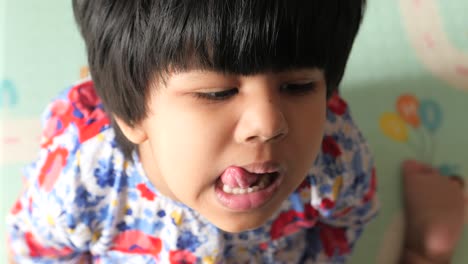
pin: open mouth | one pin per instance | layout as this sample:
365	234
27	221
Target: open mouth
248	188
262	182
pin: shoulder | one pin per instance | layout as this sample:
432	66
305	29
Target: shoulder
344	173
77	142
74	172
78	108
344	144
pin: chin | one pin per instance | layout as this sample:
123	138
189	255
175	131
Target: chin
239	227
241	223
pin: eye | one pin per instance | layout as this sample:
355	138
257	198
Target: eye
298	88
217	96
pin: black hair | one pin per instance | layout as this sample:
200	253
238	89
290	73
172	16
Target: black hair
129	42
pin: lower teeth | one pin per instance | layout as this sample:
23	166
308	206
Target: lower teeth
265	180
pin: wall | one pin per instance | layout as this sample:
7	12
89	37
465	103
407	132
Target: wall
41	53
2	33
417	48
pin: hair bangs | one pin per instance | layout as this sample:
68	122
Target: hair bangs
248	37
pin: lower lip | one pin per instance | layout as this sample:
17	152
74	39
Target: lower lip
248	201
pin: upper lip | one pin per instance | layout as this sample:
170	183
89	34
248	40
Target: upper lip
264	167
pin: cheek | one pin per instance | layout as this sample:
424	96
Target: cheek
308	133
309	122
188	144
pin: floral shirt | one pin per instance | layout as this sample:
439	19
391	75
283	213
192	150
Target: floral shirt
83	202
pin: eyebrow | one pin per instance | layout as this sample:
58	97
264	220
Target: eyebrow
308	73
299	71
195	76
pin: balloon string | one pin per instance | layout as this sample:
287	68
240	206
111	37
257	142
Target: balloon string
427	146
413	148
430	147
422	143
434	147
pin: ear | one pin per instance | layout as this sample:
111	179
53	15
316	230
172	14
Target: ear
135	133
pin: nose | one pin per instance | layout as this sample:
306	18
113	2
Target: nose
262	121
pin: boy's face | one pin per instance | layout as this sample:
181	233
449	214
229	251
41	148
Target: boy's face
232	147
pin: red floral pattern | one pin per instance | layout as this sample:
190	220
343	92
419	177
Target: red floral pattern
182	257
372	189
330	146
334	240
292	221
36	249
137	242
52	167
337	105
145	192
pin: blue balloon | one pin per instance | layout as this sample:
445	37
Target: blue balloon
430	114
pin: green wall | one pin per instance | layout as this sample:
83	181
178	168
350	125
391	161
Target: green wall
387	62
2	33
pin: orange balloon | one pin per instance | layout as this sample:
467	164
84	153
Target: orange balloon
408	108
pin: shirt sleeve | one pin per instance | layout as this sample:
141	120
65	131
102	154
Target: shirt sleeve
343	186
51	222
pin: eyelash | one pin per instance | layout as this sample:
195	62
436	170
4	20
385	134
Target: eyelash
217	96
297	90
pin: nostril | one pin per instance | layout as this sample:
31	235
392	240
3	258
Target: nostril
261	126
278	136
268	138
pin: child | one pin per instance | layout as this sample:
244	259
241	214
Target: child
211	131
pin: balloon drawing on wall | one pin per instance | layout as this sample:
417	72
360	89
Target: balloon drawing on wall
422	117
413	117
8	94
431	44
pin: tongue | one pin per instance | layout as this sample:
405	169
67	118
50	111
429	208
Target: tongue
236	177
